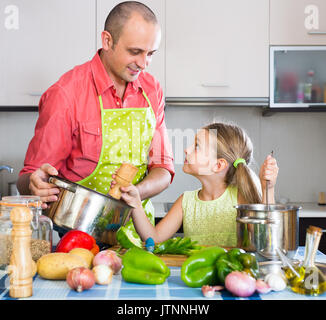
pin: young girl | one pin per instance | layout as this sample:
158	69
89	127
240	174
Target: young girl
219	159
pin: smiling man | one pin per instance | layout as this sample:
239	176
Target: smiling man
103	113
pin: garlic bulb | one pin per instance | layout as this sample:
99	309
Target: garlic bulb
276	281
80	279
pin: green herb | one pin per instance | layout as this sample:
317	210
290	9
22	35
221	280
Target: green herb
178	245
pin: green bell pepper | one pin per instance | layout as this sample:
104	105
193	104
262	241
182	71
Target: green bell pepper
128	238
250	264
199	269
235	260
127	235
141	266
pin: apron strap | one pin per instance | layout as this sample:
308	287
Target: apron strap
101	102
145	96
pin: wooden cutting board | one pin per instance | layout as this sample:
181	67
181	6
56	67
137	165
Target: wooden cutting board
171	260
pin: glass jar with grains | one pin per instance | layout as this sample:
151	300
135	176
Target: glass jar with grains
42	228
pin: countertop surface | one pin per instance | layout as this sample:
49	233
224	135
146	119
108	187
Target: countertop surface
172	289
308	210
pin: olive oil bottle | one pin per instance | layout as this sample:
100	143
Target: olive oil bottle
308	279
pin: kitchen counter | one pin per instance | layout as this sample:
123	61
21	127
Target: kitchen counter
172	289
309	210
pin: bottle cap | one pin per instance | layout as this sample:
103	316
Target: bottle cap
150	244
313	229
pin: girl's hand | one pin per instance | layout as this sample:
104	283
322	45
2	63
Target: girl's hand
131	196
268	171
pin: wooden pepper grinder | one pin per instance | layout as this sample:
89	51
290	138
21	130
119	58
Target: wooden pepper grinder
21	263
321	199
124	176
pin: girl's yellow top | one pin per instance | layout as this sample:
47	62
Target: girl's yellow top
211	222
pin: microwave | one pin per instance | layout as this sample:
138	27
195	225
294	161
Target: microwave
297	76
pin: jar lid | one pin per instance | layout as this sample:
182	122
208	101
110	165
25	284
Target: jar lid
26	201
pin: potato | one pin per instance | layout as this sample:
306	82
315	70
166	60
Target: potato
87	255
56	265
34	268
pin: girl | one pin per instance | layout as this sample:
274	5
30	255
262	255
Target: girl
219	159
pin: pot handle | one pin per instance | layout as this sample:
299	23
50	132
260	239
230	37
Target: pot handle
62	184
256	221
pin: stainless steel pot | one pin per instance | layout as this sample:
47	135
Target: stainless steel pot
262	229
84	209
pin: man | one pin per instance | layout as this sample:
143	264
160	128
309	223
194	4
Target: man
102	113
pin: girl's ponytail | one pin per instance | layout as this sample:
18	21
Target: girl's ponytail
246	185
233	143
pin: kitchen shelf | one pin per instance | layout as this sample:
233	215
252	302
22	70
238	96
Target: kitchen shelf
267	111
18	108
217	101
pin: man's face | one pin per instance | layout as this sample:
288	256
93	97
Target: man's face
134	50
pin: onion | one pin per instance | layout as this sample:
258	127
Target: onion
240	284
80	279
108	258
103	274
262	286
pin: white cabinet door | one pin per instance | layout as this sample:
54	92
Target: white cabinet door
217	48
41	40
157	66
298	22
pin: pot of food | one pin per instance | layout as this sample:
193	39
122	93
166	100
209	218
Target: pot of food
263	228
84	209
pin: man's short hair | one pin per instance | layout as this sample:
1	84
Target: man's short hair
122	12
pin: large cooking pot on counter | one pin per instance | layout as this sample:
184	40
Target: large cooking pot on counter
84	209
263	228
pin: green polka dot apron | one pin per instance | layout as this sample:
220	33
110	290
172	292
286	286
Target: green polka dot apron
126	137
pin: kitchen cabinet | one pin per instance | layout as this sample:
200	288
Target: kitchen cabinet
41	40
304	223
157	66
297	22
297	76
217	48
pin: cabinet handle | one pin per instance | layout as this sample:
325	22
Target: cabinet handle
317	32
35	94
217	84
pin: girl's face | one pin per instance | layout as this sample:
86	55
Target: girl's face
201	157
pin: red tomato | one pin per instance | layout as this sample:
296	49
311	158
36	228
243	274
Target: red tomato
76	239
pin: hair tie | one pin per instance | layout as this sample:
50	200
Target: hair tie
239	160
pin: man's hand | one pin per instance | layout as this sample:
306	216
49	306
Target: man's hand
39	186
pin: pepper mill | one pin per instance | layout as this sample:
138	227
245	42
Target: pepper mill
321	199
124	176
21	263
